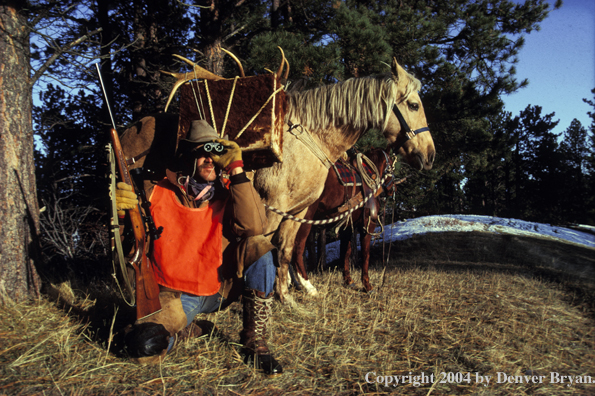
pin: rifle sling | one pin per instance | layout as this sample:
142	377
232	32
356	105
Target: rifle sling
133	160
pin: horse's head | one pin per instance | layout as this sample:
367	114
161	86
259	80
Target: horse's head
406	128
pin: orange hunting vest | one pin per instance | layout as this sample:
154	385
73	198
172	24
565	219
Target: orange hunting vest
189	251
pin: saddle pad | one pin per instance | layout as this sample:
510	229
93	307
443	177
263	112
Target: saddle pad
347	176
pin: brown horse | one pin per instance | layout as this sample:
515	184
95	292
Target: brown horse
322	123
364	220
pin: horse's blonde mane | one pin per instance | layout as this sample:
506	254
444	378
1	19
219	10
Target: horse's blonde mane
357	101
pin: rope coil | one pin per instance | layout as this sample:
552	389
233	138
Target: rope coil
370	181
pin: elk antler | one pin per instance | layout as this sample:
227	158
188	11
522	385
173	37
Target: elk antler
181	78
283	60
286	71
237	61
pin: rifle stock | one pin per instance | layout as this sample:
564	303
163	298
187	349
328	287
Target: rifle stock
147	290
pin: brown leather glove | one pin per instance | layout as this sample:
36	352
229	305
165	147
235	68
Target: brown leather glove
125	198
230	158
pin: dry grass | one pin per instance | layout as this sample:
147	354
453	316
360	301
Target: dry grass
456	303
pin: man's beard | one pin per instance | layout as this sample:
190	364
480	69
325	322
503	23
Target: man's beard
204	172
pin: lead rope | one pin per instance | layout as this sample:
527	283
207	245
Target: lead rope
327	221
392	222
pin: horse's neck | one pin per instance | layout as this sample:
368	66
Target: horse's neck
335	141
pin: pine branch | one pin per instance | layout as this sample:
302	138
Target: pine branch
58	53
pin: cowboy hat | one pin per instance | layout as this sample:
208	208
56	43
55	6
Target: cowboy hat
200	132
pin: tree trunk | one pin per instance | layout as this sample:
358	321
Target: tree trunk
19	211
275	14
211	30
214	57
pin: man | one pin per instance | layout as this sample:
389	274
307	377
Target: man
211	249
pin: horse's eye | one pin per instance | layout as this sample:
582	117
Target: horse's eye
413	106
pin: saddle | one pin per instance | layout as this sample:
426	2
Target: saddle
347	172
349	176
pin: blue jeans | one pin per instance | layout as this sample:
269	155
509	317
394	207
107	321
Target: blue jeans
259	276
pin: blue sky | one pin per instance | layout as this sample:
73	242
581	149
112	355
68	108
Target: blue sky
559	61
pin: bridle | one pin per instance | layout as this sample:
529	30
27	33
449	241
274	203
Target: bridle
409	133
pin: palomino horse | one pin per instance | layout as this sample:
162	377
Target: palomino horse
363	220
322	123
333	118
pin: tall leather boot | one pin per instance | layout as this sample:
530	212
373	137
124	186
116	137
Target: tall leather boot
257	309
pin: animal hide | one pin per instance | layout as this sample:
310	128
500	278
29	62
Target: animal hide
232	104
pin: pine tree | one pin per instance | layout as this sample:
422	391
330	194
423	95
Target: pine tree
537	164
590	165
19	245
574	152
488	188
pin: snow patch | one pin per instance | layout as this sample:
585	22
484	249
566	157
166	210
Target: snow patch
467	223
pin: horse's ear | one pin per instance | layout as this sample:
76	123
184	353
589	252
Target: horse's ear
395	69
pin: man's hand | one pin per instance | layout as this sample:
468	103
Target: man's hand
125	198
231	156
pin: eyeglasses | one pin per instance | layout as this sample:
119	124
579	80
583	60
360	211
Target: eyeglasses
204	150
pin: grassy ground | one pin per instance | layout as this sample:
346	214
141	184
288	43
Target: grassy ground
468	305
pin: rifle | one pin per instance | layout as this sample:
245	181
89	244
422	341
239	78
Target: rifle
147	290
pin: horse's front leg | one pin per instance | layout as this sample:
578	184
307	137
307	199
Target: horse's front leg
285	239
345	252
365	239
298	253
298	260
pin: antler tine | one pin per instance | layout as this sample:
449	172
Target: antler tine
181	78
199	71
237	61
283	60
286	71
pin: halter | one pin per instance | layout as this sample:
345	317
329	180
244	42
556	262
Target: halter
405	127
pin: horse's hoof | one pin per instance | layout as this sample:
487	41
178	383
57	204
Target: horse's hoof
313	293
288	301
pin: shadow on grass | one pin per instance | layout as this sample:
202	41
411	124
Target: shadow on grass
87	292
